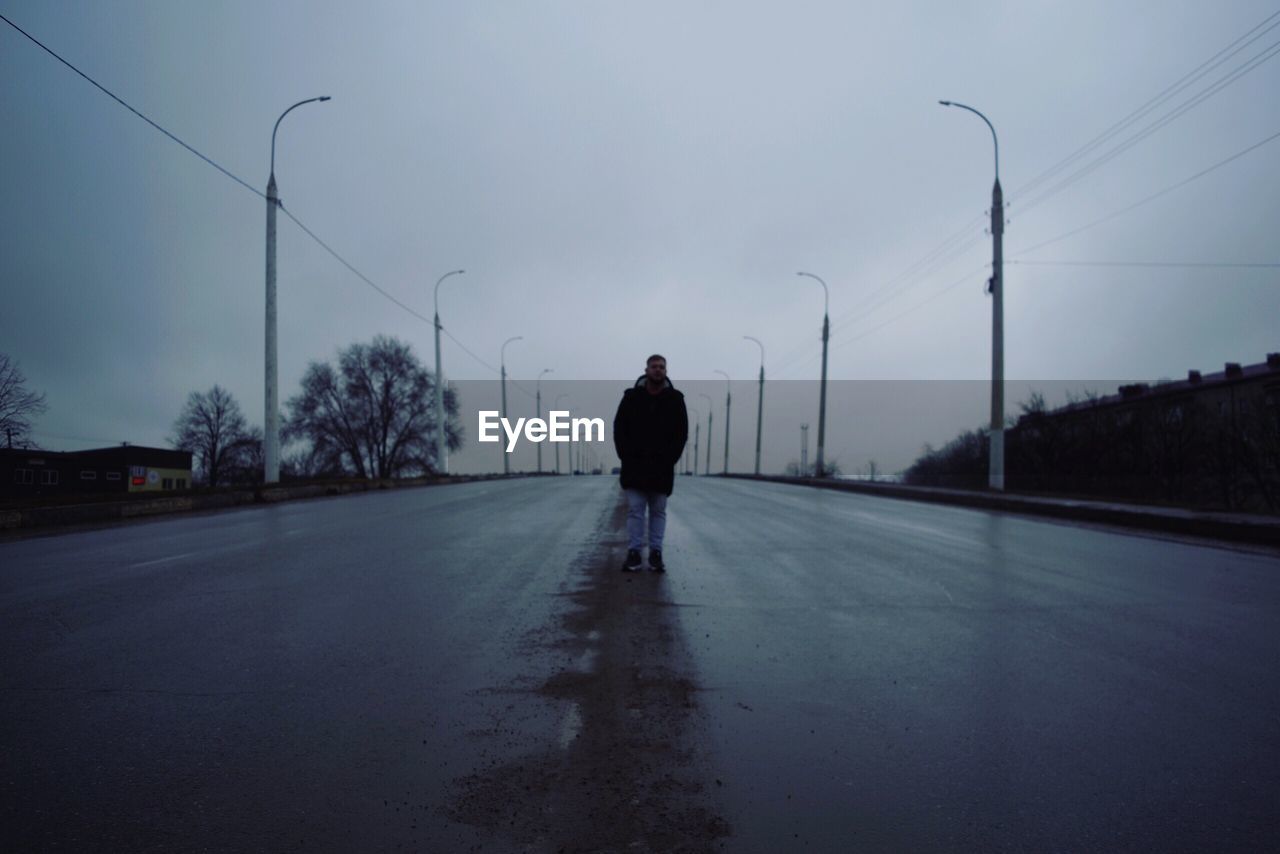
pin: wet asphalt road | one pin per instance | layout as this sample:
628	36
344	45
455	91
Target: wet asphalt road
867	674
890	676
307	676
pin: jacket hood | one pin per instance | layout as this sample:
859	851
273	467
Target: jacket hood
667	381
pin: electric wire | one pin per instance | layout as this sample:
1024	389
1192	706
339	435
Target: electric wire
343	261
1215	61
886	298
1236	74
1173	89
128	107
952	286
1204	264
1150	198
348	265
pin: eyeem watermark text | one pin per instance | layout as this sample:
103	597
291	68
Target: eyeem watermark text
561	428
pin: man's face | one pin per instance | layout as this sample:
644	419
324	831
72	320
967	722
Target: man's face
656	371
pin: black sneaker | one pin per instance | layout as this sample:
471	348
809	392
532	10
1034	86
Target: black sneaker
633	562
655	561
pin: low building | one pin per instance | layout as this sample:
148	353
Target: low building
1208	440
121	469
1235	391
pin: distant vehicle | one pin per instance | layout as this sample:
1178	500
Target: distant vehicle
615	470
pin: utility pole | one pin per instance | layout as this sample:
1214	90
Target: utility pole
271	395
728	400
502	354
554	404
709	414
819	467
697	437
760	403
995	469
711	405
442	461
804	450
538	405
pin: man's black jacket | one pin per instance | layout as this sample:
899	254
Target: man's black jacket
649	433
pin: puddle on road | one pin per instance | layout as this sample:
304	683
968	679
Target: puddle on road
586	662
570	725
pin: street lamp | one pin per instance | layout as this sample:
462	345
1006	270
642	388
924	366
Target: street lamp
710	412
697	437
538	405
555	404
271	394
728	399
502	359
820	470
995	469
441	460
760	405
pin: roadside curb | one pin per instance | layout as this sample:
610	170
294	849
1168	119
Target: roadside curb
1235	527
23	519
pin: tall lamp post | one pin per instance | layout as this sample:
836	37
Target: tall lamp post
555	404
537	402
760	404
728	399
271	392
502	359
804	450
441	460
697	437
710	411
995	469
819	468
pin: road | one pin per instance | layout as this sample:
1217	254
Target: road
463	667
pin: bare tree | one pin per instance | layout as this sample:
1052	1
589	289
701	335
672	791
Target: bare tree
18	405
246	458
372	415
214	430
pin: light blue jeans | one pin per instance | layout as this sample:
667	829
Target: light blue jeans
637	502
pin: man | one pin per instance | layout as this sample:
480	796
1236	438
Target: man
649	433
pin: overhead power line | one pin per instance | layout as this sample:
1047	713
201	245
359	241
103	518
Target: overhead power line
347	264
1252	64
243	183
128	107
1150	198
344	262
1207	264
921	304
1171	90
941	257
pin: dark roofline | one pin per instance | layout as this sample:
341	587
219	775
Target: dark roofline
1231	374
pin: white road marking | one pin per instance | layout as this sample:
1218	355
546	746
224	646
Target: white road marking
162	560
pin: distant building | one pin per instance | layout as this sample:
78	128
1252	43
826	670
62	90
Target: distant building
122	469
1210	440
1236	391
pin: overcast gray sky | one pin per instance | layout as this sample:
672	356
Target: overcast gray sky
618	179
